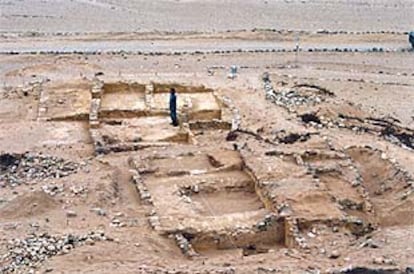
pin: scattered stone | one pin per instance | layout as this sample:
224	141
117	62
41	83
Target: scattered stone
18	169
53	189
290	98
99	211
369	243
36	248
366	270
119	214
184	244
334	254
78	190
115	222
71	214
377	260
389	261
383	261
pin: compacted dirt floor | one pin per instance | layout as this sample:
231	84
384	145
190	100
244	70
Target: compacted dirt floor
302	161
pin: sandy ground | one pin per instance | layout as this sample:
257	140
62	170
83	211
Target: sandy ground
141	16
128	41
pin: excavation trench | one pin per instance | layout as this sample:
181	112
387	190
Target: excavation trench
218	204
211	200
125	115
390	188
248	228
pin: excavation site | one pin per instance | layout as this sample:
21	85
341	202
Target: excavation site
198	137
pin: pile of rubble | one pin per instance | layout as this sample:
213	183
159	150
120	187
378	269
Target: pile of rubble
184	244
18	169
33	250
290	98
361	269
388	128
141	187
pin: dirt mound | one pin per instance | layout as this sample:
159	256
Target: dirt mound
28	205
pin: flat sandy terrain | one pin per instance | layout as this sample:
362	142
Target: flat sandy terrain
200	15
303	162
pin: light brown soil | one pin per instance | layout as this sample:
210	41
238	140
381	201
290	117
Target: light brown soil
339	190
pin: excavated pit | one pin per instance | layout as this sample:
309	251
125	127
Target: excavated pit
314	177
216	201
390	188
209	200
143	129
125	115
122	100
227	201
358	189
65	101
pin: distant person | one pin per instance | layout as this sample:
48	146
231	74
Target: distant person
411	39
173	107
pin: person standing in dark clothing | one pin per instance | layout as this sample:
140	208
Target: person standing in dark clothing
411	38
173	107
